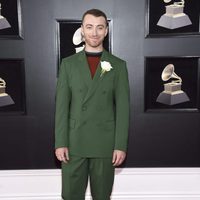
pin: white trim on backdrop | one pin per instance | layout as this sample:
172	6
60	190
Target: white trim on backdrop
130	184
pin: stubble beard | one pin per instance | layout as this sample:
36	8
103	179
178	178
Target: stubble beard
93	44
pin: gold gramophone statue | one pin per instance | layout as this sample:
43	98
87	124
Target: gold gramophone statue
3	21
174	16
5	99
172	93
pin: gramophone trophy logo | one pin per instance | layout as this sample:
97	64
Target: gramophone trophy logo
5	99
3	21
78	39
172	93
174	16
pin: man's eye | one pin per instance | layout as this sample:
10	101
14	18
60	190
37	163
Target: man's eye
100	28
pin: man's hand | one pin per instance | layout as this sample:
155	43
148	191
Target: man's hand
118	157
62	154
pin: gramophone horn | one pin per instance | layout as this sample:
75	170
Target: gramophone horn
2	83
77	37
168	73
167	1
3	21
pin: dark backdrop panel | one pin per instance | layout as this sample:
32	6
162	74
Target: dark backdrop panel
158	139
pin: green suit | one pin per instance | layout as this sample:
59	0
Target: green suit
92	119
92	115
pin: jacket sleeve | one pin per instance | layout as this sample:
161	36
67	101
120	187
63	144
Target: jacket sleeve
122	101
63	98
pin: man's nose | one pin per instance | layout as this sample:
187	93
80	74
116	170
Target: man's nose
94	32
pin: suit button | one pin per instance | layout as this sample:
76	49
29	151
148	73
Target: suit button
84	108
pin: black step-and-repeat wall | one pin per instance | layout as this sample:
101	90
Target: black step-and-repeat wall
160	42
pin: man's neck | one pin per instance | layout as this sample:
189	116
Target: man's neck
94	50
93	54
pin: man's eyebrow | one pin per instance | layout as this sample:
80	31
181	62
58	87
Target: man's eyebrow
89	25
93	25
101	25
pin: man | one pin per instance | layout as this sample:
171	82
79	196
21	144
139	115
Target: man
92	114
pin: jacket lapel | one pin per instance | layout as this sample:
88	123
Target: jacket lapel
96	81
84	69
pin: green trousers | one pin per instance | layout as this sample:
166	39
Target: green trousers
75	176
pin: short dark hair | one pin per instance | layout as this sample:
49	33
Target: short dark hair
96	13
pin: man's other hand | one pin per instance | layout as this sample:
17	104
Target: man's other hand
62	154
118	157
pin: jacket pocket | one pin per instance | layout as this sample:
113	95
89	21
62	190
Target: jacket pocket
72	123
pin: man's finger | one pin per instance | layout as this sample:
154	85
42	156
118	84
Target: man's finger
119	160
62	154
116	160
65	160
117	163
114	157
66	155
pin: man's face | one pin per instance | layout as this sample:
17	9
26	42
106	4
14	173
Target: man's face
94	30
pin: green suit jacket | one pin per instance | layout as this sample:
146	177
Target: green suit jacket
92	115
